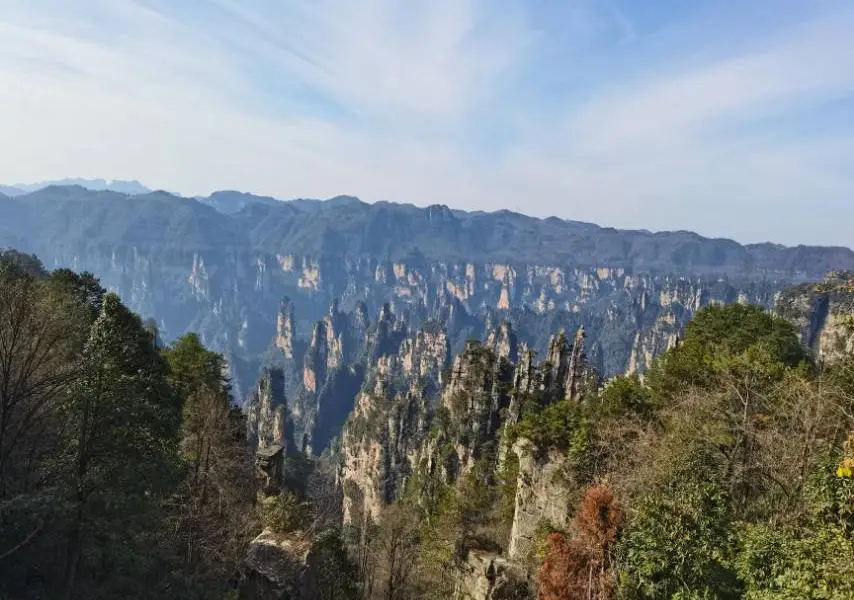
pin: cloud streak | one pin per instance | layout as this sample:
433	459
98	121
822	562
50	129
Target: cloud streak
486	105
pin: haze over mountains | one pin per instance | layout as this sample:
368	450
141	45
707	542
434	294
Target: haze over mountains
113	185
392	230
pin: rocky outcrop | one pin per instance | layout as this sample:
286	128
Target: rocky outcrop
660	337
488	576
543	498
279	567
316	359
581	378
502	341
285	329
382	441
385	335
379	451
395	431
475	397
566	372
341	347
823	314
266	411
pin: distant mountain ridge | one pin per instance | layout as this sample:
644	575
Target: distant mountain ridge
344	226
11	191
114	185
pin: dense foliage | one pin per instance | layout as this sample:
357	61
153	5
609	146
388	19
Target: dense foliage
726	472
729	463
735	470
123	466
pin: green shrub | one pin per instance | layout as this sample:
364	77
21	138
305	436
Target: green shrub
282	513
679	546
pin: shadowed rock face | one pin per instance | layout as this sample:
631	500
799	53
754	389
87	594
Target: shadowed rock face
823	313
279	567
487	576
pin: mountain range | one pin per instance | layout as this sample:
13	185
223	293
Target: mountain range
346	226
254	275
113	185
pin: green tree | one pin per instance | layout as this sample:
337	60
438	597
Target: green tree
625	394
41	333
809	559
336	573
198	375
716	336
210	518
21	264
795	563
120	455
679	545
82	287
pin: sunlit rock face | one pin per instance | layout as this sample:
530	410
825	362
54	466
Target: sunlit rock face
266	410
279	566
542	495
383	439
489	576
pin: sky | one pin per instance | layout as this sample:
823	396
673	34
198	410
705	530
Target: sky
730	118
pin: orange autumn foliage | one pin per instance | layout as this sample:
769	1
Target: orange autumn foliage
581	568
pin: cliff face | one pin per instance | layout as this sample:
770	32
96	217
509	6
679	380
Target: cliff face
413	421
225	274
410	418
487	576
543	495
266	410
475	397
234	299
823	314
381	441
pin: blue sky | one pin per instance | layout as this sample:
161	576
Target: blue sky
726	117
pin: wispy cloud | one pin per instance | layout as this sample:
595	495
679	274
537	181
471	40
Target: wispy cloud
809	65
427	57
576	109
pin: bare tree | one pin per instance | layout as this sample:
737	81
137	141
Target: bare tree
396	548
37	343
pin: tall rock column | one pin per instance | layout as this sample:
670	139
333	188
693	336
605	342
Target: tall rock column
285	328
266	410
580	376
475	396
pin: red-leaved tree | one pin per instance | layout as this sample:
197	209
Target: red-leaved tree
581	568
